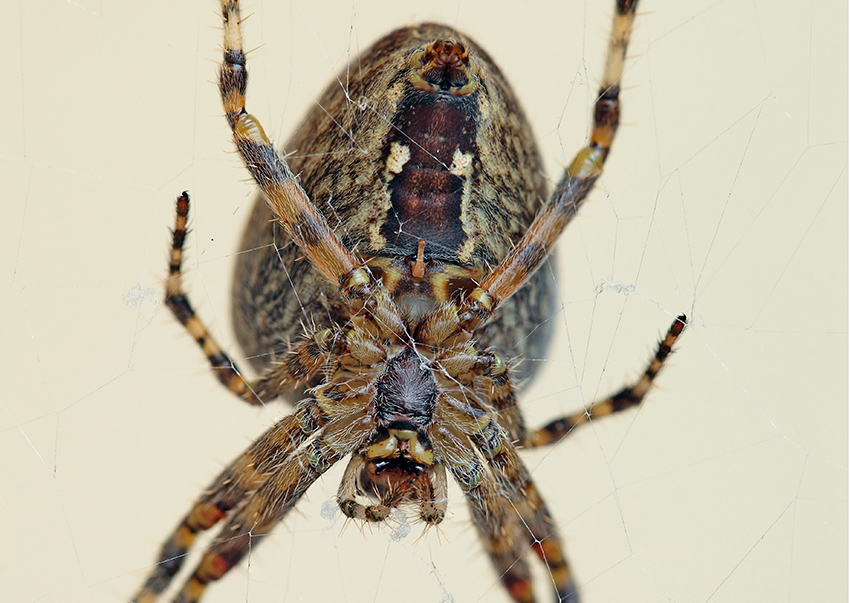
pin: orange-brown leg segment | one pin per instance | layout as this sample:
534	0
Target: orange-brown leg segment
502	534
302	221
244	475
299	365
281	378
268	505
177	300
495	520
626	398
494	517
538	529
515	270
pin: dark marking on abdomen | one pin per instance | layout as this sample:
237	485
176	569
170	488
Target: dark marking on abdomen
426	196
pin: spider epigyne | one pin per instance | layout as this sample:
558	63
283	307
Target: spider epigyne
427	169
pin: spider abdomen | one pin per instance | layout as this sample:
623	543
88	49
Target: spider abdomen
425	141
430	159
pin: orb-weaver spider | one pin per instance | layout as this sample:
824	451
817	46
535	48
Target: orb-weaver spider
427	170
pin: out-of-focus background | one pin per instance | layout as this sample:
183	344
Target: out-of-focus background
725	198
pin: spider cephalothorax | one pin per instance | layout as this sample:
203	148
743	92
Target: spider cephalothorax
420	401
419	206
397	465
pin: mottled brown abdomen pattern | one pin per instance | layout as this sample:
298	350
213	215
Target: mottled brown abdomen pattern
389	166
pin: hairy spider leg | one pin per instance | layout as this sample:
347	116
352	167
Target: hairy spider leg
533	249
537	528
577	182
628	397
268	505
303	222
494	385
177	300
493	516
369	303
283	377
243	476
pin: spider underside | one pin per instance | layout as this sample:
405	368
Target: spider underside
412	183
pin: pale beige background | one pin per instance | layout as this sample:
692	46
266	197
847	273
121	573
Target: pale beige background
725	197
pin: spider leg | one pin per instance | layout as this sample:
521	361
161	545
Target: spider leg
177	300
369	303
496	522
260	488
304	223
540	531
533	249
627	397
460	428
267	506
300	364
244	475
494	385
577	182
281	378
500	530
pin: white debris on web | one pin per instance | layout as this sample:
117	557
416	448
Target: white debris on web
397	525
328	512
329	509
138	295
616	287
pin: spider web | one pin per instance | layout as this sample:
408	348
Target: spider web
725	198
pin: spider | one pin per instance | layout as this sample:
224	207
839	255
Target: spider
413	182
